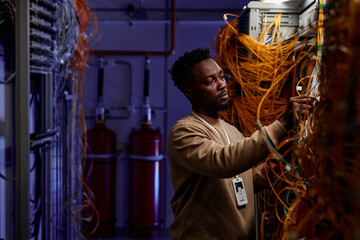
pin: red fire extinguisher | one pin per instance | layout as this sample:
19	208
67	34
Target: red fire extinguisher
145	156
101	172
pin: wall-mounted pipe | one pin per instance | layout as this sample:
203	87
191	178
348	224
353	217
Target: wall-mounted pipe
100	109
154	53
129	108
146	104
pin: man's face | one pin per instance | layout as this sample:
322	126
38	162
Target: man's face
208	89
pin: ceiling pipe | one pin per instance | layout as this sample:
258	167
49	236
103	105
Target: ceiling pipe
146	53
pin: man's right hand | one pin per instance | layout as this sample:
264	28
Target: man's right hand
298	106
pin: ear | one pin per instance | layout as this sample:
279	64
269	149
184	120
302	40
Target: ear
188	93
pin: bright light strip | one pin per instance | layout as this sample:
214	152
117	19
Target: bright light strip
276	1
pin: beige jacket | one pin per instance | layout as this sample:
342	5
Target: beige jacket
202	169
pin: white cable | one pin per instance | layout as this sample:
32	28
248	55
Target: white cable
8	80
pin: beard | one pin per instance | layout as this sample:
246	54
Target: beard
222	106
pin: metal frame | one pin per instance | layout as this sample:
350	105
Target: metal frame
294	15
257	10
22	120
308	18
48	111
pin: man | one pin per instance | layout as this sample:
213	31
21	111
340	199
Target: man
209	158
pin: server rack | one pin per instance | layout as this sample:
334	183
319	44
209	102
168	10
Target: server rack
35	173
299	15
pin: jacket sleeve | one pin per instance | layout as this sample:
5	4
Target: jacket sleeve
192	148
259	175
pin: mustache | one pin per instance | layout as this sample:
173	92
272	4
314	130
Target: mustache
223	93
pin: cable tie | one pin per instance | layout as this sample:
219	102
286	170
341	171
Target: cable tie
322	5
320	47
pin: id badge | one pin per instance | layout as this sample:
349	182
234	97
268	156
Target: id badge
240	193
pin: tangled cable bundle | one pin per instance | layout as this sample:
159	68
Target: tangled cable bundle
258	73
316	194
330	157
87	211
260	76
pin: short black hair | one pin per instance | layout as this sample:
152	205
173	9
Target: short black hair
181	70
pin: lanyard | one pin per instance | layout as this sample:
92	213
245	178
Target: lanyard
207	124
227	137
